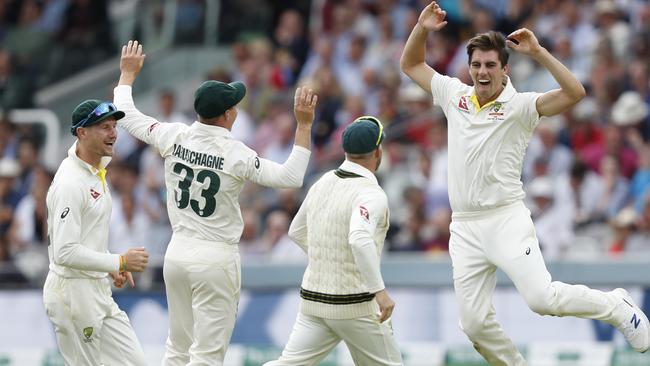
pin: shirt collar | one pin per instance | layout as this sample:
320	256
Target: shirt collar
506	94
358	169
103	162
100	172
211	129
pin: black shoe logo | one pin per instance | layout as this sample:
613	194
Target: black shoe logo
65	212
527	250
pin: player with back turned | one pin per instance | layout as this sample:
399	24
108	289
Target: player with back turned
490	125
341	225
205	171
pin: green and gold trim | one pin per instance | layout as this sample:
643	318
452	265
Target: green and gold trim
336	299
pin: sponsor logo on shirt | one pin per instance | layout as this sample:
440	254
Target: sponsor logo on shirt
462	104
94	194
257	162
364	213
153	125
65	212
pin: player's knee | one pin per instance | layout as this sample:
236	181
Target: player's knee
473	325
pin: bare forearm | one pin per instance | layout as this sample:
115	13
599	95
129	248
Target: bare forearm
568	82
415	48
127	79
303	135
412	62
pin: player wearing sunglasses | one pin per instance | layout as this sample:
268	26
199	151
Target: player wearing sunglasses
90	328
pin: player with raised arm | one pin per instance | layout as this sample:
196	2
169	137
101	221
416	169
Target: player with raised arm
205	171
490	125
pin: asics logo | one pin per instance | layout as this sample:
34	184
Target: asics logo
636	321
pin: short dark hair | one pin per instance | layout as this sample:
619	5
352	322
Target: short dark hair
486	42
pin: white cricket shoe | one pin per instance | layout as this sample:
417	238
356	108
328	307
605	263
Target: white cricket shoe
635	327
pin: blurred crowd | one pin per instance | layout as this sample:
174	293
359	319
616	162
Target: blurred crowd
586	173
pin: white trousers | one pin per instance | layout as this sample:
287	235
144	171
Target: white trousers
505	238
202	280
312	338
90	328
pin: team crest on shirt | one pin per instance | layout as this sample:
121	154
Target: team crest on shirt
88	333
496	112
94	194
364	213
462	104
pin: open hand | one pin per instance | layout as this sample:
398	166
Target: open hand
524	41
432	17
132	58
304	105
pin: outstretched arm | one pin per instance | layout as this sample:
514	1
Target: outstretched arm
304	106
558	100
131	62
138	124
291	173
412	61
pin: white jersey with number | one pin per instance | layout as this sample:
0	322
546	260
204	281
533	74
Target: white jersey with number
486	144
205	170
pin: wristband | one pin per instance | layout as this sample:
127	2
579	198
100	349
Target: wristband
122	264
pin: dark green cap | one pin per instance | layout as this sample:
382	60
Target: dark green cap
363	135
93	111
213	97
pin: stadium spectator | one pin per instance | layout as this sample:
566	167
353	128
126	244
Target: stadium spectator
85	37
544	145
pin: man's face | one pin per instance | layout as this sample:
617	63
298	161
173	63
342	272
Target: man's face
487	74
100	138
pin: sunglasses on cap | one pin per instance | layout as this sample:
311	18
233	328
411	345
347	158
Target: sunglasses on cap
375	121
100	110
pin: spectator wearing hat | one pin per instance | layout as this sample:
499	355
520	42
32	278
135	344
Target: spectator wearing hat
343	297
623	227
205	172
544	144
90	328
630	112
552	220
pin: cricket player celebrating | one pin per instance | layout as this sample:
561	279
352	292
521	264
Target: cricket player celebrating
90	328
490	125
342	225
205	170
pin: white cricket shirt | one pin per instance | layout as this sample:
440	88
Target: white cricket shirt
486	145
342	225
205	170
78	215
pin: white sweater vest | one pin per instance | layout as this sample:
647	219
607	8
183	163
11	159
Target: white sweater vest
332	286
